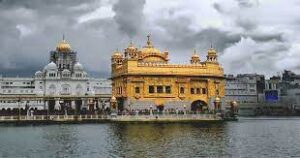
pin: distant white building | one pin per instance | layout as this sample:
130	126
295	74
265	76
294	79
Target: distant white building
64	77
244	88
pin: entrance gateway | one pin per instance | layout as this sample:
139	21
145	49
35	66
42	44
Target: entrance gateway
198	105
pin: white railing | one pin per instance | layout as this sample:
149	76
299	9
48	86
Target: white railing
118	117
169	116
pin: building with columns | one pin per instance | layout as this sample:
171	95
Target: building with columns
144	78
62	82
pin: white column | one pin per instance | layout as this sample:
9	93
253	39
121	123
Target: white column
46	104
84	103
73	106
57	105
151	110
99	103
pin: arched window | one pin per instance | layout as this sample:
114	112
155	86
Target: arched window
52	89
192	91
65	89
78	75
52	74
181	90
137	89
198	91
203	90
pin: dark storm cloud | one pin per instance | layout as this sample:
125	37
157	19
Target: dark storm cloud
219	39
129	16
247	24
48	5
247	3
218	8
31	28
182	37
267	37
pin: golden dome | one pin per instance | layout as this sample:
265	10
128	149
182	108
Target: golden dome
117	54
218	99
150	54
195	58
195	55
149	48
211	51
146	50
113	99
63	46
131	46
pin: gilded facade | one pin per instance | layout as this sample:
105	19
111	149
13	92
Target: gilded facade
144	78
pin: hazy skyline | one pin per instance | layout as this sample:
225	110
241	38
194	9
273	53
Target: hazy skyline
251	36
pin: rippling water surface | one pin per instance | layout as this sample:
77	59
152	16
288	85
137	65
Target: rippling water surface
261	137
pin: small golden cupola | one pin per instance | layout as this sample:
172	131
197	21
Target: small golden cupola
131	51
63	46
117	57
195	59
212	55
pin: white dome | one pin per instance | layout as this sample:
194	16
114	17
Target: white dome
51	66
38	72
78	66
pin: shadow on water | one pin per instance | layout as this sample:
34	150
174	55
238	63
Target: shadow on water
168	140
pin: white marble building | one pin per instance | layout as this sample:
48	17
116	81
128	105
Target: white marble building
242	89
63	77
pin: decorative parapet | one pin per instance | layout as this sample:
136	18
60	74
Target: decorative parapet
149	64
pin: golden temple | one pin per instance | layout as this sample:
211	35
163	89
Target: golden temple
143	78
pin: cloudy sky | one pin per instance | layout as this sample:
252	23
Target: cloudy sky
251	36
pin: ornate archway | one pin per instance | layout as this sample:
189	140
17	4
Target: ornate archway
65	89
51	105
198	105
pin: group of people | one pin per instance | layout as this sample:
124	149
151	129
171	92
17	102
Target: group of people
64	109
155	111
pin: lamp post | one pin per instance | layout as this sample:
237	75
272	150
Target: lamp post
151	112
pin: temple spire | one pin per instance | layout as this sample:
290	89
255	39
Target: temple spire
149	44
131	44
148	39
63	37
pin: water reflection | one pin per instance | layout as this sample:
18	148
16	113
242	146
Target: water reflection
168	140
62	140
273	137
245	138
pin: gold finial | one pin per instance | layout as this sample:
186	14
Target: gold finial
195	54
131	44
64	37
148	41
149	44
